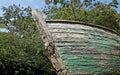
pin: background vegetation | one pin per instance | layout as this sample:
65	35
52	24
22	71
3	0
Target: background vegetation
90	11
21	48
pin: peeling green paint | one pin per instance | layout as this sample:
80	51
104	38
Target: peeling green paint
86	49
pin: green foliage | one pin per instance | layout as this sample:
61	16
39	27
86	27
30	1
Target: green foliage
21	49
22	56
19	20
87	11
0	19
1	23
105	17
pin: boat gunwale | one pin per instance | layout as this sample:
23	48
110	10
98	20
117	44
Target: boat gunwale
85	23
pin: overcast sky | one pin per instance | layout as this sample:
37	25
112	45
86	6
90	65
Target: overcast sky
35	3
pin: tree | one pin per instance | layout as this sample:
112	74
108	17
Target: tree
19	20
91	11
1	23
21	49
0	19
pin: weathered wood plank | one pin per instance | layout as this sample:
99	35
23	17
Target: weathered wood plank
54	57
86	49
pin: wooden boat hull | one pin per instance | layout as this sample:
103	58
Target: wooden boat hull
86	48
76	48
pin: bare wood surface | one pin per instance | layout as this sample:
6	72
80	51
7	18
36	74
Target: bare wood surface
53	55
84	23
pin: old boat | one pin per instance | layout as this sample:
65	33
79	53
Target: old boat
77	48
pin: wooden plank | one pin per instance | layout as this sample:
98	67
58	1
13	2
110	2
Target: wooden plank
86	49
54	57
84	23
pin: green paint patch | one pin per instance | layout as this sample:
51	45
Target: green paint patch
92	50
77	56
85	69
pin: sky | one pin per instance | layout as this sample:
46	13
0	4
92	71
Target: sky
39	4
